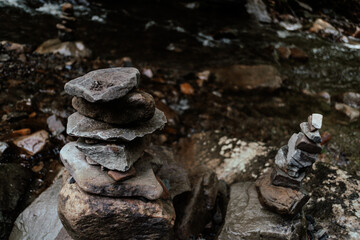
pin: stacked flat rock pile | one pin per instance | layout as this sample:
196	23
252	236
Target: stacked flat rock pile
67	26
280	189
110	190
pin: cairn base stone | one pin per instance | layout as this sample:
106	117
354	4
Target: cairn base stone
247	219
86	216
285	201
137	106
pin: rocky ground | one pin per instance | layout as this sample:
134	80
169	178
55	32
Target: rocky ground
217	118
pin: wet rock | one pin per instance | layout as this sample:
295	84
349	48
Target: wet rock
170	171
3	147
137	106
85	215
351	112
40	220
34	143
247	219
352	99
282	200
70	49
122	176
280	178
325	95
257	8
114	156
93	180
55	125
313	136
303	143
246	77
104	84
81	126
198	210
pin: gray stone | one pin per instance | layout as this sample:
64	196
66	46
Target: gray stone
280	178
313	136
40	220
114	156
257	8
93	180
3	147
283	200
315	121
291	147
86	216
280	158
81	126
352	99
135	107
303	143
247	219
104	84
303	158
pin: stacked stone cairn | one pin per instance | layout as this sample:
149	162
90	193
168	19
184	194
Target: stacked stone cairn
280	189
109	189
67	26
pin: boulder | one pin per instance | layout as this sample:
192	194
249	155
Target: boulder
247	77
247	219
114	156
92	179
70	49
137	106
86	216
104	85
81	126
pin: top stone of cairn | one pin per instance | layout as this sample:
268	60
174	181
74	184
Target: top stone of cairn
104	85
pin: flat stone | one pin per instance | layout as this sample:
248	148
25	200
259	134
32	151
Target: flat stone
122	176
34	143
247	219
280	178
291	147
280	158
81	126
286	201
55	125
114	156
40	220
313	136
304	144
93	180
315	121
293	171
137	106
71	49
351	112
88	216
104	84
91	162
305	159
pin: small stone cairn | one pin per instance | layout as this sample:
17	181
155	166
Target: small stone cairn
280	189
67	26
110	190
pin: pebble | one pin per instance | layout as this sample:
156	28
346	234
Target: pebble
34	143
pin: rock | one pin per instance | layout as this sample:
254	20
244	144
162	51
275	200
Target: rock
257	8
170	172
136	106
323	26
304	144
303	158
187	89
34	143
280	178
11	46
55	125
285	201
245	77
315	121
280	158
104	85
325	95
93	180
247	219
122	176
351	112
352	99
197	212
298	54
40	220
3	147
14	181
70	49
87	216
284	52
313	136
114	156
81	126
